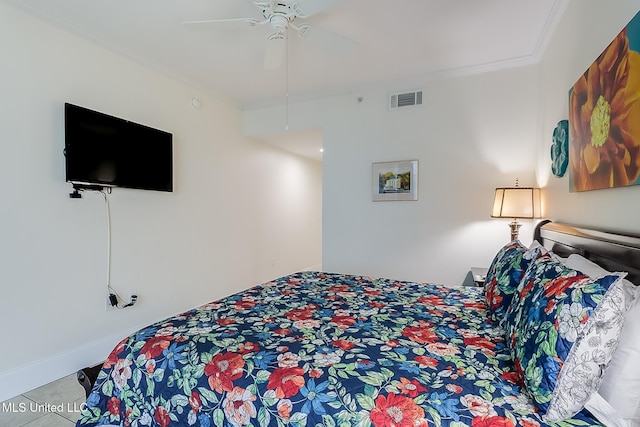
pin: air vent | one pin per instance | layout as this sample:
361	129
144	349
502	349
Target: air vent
407	99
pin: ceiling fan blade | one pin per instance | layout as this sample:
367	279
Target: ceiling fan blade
274	54
327	41
224	23
308	8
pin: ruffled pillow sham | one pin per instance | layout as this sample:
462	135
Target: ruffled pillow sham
504	275
621	382
562	329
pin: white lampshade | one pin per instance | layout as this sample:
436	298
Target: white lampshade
516	202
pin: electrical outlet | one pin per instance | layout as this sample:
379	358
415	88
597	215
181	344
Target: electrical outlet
107	305
133	298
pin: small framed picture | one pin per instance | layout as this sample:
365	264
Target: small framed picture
392	181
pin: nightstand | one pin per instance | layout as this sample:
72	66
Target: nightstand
475	276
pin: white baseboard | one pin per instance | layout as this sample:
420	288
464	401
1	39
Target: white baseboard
33	375
317	267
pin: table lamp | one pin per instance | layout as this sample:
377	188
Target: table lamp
516	202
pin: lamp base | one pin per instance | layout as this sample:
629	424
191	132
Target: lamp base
515	227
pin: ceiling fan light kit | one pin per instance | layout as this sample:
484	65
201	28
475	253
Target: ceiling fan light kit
279	21
279	15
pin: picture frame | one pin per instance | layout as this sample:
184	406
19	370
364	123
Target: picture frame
394	181
604	110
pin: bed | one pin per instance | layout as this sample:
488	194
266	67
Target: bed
325	349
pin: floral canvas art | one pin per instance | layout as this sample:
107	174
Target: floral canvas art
604	117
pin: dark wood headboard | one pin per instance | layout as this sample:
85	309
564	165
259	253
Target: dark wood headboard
612	250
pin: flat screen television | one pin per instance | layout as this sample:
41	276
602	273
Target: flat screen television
106	151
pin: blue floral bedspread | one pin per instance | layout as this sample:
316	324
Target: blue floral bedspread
319	349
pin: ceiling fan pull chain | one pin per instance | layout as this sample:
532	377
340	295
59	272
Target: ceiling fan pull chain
286	126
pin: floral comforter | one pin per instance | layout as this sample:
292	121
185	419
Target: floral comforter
319	349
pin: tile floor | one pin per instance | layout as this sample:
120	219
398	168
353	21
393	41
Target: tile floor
53	405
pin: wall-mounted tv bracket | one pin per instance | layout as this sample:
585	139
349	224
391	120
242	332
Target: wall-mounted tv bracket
77	188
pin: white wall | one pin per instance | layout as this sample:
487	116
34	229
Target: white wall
473	134
241	212
586	28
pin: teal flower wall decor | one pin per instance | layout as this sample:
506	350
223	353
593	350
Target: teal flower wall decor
560	148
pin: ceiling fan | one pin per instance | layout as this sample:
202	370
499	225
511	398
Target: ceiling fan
280	16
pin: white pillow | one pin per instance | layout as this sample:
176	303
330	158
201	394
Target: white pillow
588	267
604	412
593	270
621	382
536	245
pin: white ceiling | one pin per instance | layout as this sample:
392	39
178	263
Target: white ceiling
396	42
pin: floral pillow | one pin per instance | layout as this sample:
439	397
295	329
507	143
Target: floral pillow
503	277
562	329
